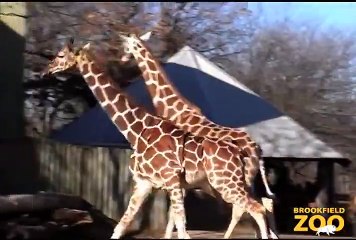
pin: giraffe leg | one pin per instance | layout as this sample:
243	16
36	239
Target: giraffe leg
250	173
268	204
178	211
258	212
170	224
141	190
237	212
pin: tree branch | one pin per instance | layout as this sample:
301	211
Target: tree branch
15	15
227	54
40	54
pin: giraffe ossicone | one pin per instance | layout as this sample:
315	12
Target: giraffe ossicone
87	46
146	36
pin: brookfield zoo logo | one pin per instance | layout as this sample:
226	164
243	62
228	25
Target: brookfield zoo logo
329	225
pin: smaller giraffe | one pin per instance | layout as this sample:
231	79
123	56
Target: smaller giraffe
171	105
163	152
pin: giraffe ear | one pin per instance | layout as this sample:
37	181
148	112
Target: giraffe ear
146	36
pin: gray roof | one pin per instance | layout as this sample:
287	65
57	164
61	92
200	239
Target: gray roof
280	136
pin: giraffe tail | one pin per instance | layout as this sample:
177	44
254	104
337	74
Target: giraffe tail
264	178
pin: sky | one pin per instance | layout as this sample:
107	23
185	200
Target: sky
333	14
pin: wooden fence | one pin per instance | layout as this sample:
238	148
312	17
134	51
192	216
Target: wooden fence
102	177
99	175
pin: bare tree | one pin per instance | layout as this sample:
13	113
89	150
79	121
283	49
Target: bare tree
50	26
307	74
304	72
208	27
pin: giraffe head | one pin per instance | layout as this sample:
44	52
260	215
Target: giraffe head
69	58
132	43
66	58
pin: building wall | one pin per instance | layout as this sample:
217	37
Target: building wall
18	171
12	45
99	175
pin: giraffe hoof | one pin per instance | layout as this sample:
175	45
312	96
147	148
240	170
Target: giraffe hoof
115	235
272	235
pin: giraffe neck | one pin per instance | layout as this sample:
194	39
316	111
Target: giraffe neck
167	100
131	120
171	105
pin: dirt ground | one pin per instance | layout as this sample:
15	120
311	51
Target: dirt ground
219	235
243	231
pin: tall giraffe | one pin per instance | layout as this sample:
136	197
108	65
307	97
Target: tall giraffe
157	144
171	105
164	156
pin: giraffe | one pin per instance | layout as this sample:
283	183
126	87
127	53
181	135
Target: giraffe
171	105
157	144
164	156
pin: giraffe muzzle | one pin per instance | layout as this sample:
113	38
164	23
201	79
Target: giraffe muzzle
125	58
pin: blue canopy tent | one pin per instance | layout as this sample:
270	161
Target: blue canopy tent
219	101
